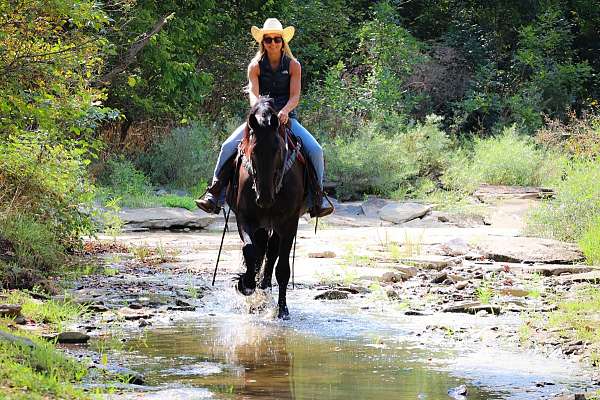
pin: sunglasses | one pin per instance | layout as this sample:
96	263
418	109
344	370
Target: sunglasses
269	40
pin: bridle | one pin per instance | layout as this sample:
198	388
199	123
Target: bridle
289	158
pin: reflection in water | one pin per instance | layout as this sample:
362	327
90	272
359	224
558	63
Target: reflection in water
244	358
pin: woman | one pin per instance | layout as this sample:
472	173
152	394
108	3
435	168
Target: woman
273	72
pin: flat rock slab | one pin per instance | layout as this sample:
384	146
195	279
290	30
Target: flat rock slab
554	269
72	337
529	250
354	221
400	213
472	308
165	218
430	261
373	205
592	277
491	192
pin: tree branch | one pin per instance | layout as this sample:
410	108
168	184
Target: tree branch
135	48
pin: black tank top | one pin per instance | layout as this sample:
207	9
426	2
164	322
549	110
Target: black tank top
275	84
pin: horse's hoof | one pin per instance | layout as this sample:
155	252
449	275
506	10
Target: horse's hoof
243	289
284	313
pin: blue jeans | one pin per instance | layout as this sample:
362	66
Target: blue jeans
313	148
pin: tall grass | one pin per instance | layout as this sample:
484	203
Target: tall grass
570	214
507	159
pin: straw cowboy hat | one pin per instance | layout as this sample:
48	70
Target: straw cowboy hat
272	25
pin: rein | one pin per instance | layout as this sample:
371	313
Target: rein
289	158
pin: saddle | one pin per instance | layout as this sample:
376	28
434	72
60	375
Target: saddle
295	152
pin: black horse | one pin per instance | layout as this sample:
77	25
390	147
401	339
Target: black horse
267	197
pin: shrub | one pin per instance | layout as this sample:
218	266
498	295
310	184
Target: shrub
590	243
47	180
579	138
121	178
35	244
183	158
373	162
507	159
577	203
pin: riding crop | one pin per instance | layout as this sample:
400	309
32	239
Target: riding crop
221	246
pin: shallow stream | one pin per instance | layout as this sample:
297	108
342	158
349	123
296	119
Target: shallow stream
329	350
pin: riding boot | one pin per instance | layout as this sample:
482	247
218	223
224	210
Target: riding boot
322	207
213	199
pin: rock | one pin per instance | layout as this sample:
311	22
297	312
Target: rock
430	261
439	277
592	277
455	247
72	337
143	323
322	254
461	285
529	250
459	220
373	205
182	308
399	213
97	307
458	393
391	277
576	396
391	293
165	218
20	320
9	310
472	308
348	209
354	289
407	272
486	193
7	337
133	315
332	295
136	306
417	313
514	291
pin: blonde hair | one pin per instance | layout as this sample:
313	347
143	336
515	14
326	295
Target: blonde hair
261	51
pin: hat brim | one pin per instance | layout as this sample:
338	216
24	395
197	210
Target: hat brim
287	33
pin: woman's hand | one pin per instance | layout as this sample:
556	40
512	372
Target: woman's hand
283	117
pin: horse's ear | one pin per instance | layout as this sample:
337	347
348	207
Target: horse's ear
252	122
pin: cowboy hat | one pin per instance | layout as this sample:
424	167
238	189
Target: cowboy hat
272	25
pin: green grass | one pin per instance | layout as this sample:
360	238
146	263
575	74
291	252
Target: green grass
40	372
484	292
578	318
574	208
54	313
590	243
172	200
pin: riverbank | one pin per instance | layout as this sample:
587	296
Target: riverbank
460	296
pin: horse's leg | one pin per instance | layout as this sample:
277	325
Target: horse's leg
261	237
282	273
272	253
247	281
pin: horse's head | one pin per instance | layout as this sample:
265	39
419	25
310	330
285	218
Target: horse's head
264	150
